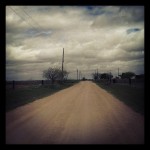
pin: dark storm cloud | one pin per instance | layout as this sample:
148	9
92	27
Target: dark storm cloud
133	30
136	13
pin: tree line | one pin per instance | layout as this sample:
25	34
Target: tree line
125	75
54	73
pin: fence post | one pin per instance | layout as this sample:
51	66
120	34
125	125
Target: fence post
13	84
42	82
130	81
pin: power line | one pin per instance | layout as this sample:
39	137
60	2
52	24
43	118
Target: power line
30	17
27	22
33	20
22	17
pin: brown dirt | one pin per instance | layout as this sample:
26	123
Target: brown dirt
81	114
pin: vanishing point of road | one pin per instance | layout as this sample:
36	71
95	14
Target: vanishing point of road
81	114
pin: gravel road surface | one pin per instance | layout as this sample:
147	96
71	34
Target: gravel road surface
81	114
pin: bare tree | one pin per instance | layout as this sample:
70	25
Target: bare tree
54	74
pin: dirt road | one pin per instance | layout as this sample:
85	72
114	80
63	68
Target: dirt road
81	114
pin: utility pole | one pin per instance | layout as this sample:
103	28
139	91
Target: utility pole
110	76
62	65
77	74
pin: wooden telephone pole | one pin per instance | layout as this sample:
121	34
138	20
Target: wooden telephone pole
77	74
62	65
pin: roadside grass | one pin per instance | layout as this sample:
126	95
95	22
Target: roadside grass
22	96
130	95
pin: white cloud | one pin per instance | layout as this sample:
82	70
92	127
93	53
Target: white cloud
93	38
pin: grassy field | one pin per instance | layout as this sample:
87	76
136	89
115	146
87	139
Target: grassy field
27	94
130	95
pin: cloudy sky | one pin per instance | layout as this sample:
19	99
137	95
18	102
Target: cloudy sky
93	37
